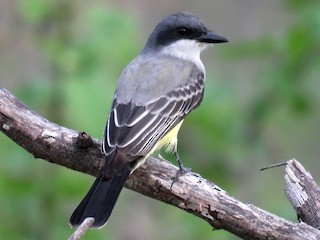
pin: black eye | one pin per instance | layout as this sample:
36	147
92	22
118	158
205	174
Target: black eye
182	32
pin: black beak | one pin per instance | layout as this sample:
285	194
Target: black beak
211	37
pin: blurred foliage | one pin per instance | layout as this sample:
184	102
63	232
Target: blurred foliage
85	54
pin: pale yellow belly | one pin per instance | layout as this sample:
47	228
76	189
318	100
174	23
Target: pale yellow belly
169	141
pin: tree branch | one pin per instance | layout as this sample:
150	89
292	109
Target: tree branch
191	193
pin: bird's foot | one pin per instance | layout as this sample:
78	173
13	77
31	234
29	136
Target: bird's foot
181	171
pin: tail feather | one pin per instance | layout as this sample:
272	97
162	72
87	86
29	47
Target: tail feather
100	199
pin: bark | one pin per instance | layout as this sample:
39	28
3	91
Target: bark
303	193
191	193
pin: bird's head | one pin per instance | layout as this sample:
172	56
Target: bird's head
182	35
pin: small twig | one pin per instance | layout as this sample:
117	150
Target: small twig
273	166
82	229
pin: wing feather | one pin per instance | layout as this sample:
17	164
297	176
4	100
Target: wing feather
130	134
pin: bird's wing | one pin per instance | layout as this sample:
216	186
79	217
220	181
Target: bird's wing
133	130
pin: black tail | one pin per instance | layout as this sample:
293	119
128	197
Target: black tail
100	199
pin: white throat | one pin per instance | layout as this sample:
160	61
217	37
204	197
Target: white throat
187	50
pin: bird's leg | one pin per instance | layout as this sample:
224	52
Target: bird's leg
182	170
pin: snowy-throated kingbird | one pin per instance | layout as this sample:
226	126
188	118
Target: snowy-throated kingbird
155	92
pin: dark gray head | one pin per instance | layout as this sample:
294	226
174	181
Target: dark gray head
181	26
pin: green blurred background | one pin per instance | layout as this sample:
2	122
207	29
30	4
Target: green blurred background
261	106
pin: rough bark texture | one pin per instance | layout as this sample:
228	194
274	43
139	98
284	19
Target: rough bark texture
303	193
191	192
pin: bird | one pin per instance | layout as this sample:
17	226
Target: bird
155	92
